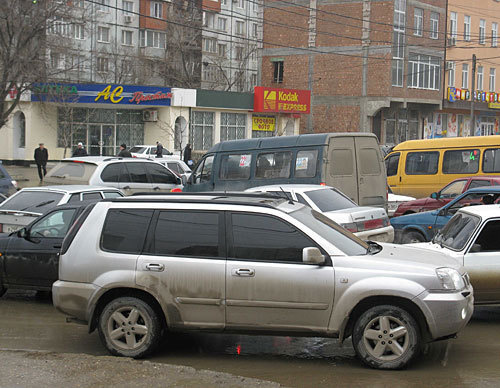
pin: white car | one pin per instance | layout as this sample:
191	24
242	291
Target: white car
368	223
149	152
394	200
177	166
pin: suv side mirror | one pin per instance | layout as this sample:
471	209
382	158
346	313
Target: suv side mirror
23	233
435	195
312	255
475	248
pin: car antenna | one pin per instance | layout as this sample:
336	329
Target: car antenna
290	200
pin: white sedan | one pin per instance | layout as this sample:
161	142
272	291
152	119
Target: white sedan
368	223
149	152
394	200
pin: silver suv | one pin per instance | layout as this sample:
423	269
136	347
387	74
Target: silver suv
137	267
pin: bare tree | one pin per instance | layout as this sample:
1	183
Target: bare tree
178	132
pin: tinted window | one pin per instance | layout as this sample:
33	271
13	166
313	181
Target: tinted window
203	172
92	196
114	172
175	168
305	164
422	163
74	198
32	201
125	230
453	189
342	162
264	238
488	238
160	174
461	162
71	171
479	183
187	234
137	173
370	164
273	165
54	225
491	160
112	194
235	166
391	165
137	150
301	200
329	200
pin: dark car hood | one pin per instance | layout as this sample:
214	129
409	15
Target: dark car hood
414	218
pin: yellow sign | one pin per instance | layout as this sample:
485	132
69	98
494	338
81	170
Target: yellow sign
270	99
494	105
114	96
263	123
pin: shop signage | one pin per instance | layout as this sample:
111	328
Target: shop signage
281	100
103	94
263	123
456	94
494	105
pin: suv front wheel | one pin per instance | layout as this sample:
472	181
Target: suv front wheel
386	337
129	327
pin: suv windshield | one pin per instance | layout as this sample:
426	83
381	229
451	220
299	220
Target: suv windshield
32	201
329	200
70	171
457	231
331	231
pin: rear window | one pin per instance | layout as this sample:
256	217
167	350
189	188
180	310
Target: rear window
422	163
125	230
137	150
112	194
71	171
491	160
235	166
461	162
32	201
274	165
341	162
329	200
369	160
305	164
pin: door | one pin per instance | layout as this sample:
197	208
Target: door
482	262
136	180
420	176
184	264
341	172
202	178
33	260
372	182
392	172
108	140
161	178
94	140
268	287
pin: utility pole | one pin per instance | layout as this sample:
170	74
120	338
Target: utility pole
473	91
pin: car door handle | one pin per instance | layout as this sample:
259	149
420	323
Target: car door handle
243	272
155	267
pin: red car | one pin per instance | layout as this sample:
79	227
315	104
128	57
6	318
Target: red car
446	194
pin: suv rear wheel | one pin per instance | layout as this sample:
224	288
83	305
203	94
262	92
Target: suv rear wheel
129	327
386	337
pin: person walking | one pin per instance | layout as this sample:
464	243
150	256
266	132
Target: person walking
159	150
124	152
187	155
41	158
80	151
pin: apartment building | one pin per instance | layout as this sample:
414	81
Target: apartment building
232	40
472	30
370	65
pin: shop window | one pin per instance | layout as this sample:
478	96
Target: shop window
235	167
279	68
232	126
273	165
422	163
491	160
202	130
305	164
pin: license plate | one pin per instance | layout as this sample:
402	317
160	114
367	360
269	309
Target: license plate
10	228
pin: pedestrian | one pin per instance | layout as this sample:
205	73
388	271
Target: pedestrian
187	155
124	152
41	158
80	151
159	150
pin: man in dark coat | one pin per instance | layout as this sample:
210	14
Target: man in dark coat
187	155
159	150
124	152
80	151
41	157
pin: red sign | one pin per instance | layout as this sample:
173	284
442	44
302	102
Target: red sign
281	100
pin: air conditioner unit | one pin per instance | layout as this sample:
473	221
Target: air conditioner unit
150	115
128	19
450	65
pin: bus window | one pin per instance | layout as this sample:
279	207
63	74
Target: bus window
391	164
491	160
422	163
461	162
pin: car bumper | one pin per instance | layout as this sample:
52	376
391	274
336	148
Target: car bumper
72	298
385	234
447	313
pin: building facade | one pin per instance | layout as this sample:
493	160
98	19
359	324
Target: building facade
370	65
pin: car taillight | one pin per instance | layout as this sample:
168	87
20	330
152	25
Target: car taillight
176	190
323	184
373	224
351	227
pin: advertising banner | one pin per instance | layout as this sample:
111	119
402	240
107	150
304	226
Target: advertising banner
281	100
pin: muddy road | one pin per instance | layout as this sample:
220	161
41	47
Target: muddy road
28	321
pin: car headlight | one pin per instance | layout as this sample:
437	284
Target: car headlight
450	279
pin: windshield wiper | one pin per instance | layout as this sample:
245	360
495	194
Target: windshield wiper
373	248
44	203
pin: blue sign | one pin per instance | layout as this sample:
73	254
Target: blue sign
102	94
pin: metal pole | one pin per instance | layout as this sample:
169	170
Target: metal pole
472	118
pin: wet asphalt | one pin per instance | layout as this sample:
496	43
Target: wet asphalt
28	321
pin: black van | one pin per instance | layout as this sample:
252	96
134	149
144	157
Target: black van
351	162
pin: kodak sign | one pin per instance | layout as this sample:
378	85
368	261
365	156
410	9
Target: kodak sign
281	100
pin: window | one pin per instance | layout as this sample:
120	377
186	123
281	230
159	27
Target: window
453	189
56	60
202	125
391	165
127	38
103	34
278	71
491	160
114	172
424	72
31	201
265	238
232	126
398	43
222	50
203	173
235	167
239	53
465	76
451	74
422	163
254	30
112	194
137	172
328	200
102	64
480	77
273	165
479	183
153	39
210	45
488	240
453	28
208	19
102	5
91	196
305	164
458	230
369	161
434	25
482	31
79	31
187	233
79	3
156	10
341	162
461	162
493	72
125	230
240	27
221	24
418	21
241	3
467	28
55	225
160	174
128	7
494	34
